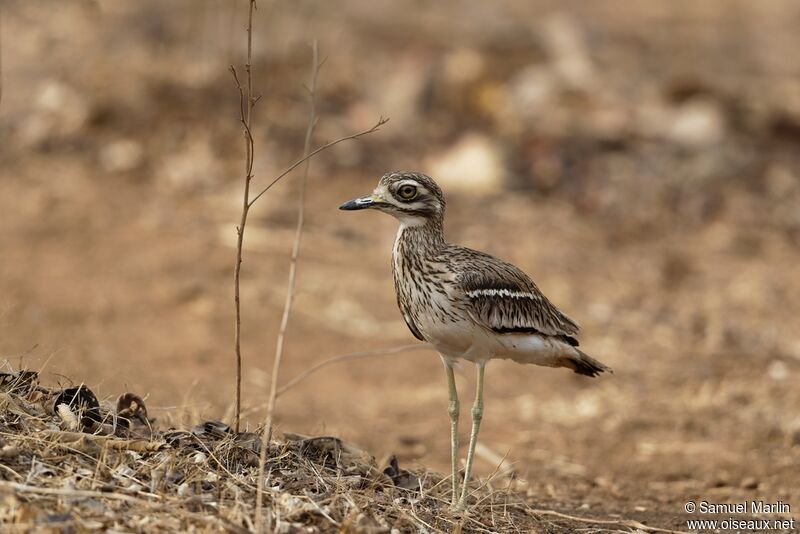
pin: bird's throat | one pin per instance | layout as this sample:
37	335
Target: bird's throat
423	239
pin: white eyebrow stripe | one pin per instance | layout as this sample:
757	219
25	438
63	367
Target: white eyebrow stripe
500	293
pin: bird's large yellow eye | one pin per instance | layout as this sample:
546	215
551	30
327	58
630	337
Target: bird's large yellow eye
407	192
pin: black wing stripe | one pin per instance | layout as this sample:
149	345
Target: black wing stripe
505	311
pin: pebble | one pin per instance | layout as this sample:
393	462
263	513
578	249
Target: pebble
750	483
473	165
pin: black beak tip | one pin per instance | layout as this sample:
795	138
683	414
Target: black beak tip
356	204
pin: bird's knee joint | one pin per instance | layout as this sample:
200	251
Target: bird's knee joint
452	409
477	412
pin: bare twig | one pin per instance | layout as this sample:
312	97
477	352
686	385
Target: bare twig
1	52
112	443
352	356
301	210
338	359
492	457
630	523
287	306
66	492
246	102
293	166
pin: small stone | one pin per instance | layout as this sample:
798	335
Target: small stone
59	111
722	480
473	165
698	122
9	452
777	370
121	156
749	483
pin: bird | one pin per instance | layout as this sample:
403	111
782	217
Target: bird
467	304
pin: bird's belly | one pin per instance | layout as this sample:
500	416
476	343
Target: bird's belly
459	337
470	342
452	339
446	327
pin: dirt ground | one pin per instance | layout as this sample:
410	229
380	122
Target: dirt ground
640	160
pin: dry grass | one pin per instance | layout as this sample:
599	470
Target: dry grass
91	468
70	462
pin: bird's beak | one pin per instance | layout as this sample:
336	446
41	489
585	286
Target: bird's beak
362	203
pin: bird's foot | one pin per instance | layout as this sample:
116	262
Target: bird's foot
458	508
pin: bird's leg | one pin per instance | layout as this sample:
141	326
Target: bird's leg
453	411
477	415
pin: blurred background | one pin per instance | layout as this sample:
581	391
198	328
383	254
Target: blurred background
641	160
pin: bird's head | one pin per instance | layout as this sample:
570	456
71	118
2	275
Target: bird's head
412	197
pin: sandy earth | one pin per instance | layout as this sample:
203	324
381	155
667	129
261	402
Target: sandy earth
676	250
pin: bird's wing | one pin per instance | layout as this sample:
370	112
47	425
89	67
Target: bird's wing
411	325
502	298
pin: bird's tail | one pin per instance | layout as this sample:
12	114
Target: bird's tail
583	364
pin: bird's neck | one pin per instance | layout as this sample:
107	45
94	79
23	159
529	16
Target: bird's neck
415	237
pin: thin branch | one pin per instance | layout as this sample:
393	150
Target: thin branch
352	356
290	290
1	52
66	492
316	151
337	359
246	103
301	210
630	523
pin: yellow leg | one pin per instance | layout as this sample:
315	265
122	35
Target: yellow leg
453	411
477	415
